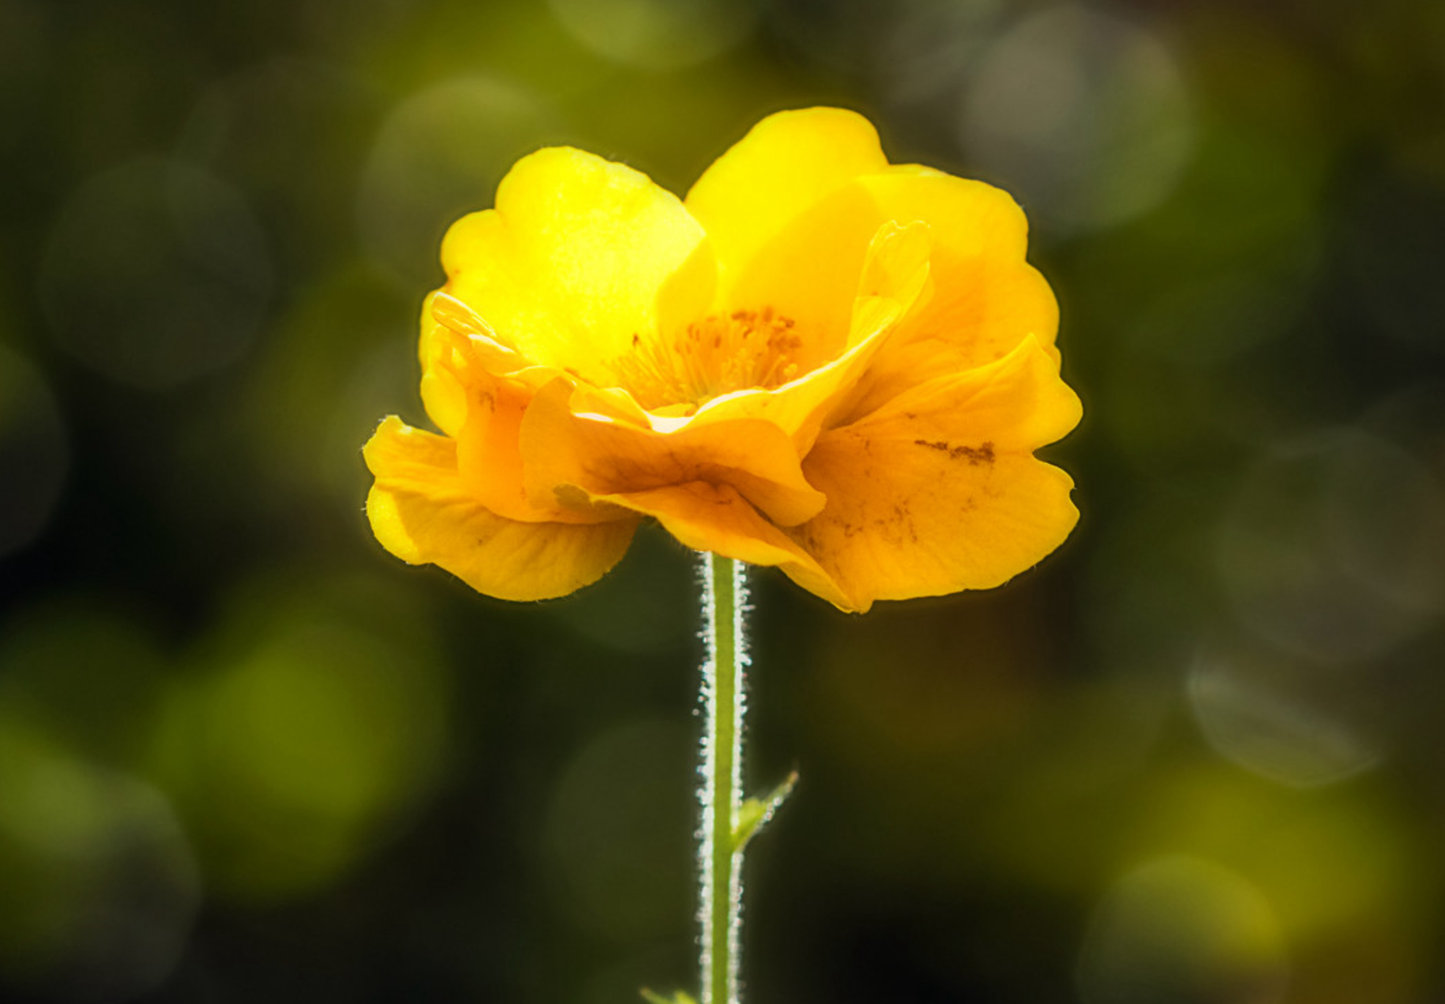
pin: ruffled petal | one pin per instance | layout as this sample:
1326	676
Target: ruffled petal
809	270
564	451
489	459
571	265
1018	403
715	518
938	491
894	279
972	217
421	512
785	164
443	392
986	298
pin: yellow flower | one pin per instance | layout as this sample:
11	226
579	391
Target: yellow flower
818	361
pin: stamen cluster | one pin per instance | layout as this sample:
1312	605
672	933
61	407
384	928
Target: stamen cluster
711	357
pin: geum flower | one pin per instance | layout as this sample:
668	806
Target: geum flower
818	361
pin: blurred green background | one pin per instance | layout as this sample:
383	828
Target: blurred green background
1196	757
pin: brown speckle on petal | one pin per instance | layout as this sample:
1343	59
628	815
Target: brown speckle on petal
975	455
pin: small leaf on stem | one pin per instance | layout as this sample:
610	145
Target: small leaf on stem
678	997
754	812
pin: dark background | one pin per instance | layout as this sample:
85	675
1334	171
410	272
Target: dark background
1194	758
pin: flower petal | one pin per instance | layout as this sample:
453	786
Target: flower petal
784	165
809	270
421	512
708	517
938	490
1018	403
600	455
895	277
972	218
571	263
489	457
986	297
443	393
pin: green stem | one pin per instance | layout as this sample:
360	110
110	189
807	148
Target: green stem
720	857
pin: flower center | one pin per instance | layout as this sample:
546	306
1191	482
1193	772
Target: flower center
711	357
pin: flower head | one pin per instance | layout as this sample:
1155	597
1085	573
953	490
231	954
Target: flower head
818	360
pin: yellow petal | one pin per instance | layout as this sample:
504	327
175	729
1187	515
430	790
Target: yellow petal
601	455
782	167
895	276
715	518
482	413
571	263
971	218
986	299
979	312
489	458
421	512
442	393
938	491
1018	403
809	270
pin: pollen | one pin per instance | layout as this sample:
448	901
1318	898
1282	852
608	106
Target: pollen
717	355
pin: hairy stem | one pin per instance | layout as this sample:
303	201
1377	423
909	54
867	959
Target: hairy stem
720	856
